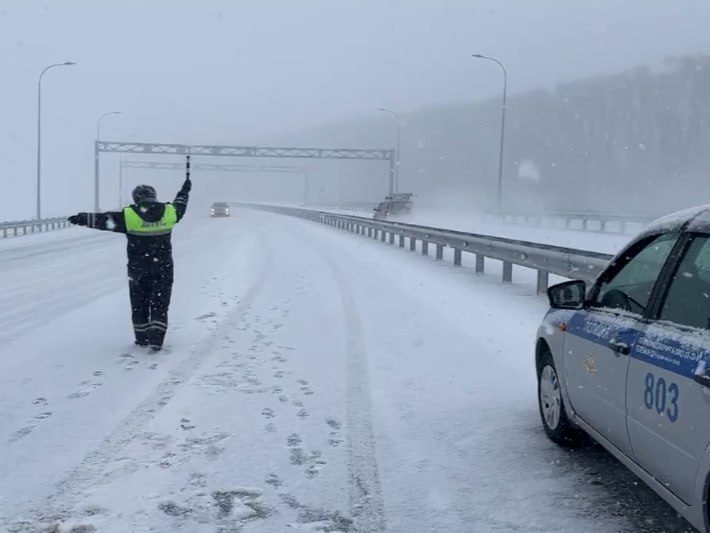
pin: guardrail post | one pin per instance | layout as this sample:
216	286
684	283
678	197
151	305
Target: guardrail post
401	240
457	257
543	280
391	237
412	244
603	224
507	272
425	247
439	252
480	263
383	235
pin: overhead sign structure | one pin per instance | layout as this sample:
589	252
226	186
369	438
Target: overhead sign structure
243	151
214	167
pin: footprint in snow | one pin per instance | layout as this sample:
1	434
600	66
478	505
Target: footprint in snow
186	424
273	480
268	413
206	316
29	427
335	439
40	401
334	424
88	386
299	457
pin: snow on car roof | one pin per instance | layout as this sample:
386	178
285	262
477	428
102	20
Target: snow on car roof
700	217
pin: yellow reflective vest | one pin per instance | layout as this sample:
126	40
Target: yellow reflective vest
135	225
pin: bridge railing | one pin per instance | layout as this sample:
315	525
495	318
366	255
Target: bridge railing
365	207
23	227
543	258
596	222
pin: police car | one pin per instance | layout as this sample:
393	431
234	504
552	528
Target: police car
220	209
627	361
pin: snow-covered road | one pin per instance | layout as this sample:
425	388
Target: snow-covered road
313	380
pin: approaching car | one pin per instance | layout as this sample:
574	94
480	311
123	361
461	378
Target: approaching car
220	209
628	361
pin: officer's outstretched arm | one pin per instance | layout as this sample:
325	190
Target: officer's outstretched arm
182	198
109	221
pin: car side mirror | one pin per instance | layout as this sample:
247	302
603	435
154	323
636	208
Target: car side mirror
568	295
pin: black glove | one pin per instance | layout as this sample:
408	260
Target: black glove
79	219
187	186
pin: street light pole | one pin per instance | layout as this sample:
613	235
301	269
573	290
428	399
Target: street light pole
395	184
96	157
39	134
499	197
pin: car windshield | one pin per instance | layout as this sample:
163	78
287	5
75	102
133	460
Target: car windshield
351	340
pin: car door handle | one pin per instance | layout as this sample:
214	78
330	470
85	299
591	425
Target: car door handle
703	379
619	347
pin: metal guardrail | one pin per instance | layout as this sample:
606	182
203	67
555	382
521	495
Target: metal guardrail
367	207
23	227
545	259
595	222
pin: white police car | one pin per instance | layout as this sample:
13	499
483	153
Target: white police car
627	361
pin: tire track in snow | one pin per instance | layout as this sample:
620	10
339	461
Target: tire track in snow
366	502
67	493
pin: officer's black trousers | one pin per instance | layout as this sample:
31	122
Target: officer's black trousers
150	298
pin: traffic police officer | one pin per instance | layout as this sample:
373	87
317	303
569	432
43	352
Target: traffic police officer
148	225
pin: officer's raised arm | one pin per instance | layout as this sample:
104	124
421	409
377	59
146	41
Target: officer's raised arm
182	198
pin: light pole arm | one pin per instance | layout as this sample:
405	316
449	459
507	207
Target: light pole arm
505	74
100	120
39	133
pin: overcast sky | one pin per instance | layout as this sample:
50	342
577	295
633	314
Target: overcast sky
233	72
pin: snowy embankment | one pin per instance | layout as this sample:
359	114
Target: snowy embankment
313	380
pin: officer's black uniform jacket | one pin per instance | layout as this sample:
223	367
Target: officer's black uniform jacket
145	253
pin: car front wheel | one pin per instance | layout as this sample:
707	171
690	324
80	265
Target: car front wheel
552	408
